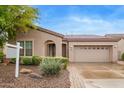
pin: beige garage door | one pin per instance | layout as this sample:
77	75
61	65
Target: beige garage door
91	54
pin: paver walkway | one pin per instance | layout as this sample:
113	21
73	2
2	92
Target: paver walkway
75	78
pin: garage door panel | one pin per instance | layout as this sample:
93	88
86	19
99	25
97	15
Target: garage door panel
91	54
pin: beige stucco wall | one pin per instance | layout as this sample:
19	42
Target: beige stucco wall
120	48
39	38
113	50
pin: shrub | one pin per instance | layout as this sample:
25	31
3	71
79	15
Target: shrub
26	60
36	60
64	61
1	56
122	57
50	66
13	60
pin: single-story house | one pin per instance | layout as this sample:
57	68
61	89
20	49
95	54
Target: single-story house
78	48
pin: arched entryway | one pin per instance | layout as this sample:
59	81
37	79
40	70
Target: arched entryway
50	48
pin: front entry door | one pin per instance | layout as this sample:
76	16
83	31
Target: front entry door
51	50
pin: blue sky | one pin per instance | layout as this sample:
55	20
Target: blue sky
83	19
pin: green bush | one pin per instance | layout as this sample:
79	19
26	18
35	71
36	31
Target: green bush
50	66
1	56
122	57
64	61
26	61
36	60
13	60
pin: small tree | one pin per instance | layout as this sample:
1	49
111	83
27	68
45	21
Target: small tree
14	19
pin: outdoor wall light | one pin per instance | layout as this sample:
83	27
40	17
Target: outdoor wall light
71	46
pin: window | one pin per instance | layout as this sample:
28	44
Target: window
102	48
97	47
27	48
94	48
22	50
106	48
89	47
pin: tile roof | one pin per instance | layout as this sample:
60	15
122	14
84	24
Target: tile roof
50	32
85	38
89	38
115	35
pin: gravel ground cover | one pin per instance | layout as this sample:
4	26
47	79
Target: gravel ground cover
7	79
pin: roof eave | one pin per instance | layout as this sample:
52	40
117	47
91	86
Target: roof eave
50	32
91	40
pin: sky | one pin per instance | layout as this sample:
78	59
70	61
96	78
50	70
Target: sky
84	19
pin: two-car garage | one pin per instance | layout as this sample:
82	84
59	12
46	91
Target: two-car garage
91	53
83	48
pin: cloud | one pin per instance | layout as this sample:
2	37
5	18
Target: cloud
87	25
87	20
78	20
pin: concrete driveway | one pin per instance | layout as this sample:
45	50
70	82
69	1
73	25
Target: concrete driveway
96	75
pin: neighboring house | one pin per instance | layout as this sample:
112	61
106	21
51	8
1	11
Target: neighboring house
79	48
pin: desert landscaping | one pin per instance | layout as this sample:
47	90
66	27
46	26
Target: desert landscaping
31	79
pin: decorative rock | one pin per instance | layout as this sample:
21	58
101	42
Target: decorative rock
6	61
35	75
25	71
120	62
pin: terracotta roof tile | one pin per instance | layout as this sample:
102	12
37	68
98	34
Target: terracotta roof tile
85	38
89	38
50	32
115	35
